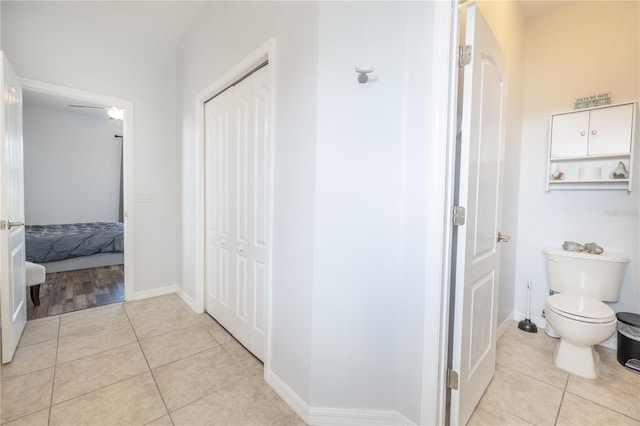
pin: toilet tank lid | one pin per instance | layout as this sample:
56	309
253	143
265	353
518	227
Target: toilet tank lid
604	257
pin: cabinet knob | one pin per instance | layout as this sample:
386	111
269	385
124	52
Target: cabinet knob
582	133
594	132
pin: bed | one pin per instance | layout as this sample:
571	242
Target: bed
69	247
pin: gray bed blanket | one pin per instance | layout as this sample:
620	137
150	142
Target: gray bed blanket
48	243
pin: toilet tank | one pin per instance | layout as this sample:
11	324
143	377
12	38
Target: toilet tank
585	274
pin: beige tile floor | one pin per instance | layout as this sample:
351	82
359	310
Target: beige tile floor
528	389
156	362
151	362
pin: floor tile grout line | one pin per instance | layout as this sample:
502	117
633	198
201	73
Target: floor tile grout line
51	397
98	389
170	331
603	406
197	325
564	392
53	378
97	353
97	328
181	359
81	312
200	399
153	377
530	376
26	374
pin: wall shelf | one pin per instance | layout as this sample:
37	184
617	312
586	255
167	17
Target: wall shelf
588	142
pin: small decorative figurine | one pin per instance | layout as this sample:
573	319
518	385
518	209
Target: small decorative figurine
592	248
620	172
557	175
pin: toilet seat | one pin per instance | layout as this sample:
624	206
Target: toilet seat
581	308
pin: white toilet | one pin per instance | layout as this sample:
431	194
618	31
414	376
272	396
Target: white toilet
582	281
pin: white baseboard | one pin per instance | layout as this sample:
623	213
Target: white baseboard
342	416
502	328
333	416
168	290
155	292
188	300
297	404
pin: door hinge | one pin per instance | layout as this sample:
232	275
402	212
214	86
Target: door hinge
452	379
458	215
464	55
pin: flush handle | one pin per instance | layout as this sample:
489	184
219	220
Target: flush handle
503	238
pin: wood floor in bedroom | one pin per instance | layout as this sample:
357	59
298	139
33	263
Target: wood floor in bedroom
76	290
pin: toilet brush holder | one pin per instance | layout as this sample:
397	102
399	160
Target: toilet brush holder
526	324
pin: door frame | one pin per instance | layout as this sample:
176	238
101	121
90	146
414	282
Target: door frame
264	53
442	167
128	159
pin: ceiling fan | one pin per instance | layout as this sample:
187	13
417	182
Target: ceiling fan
114	113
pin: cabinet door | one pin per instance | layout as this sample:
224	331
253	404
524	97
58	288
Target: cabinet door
610	130
569	134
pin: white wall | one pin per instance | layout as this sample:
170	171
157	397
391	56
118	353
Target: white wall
72	165
216	43
350	191
50	43
371	202
580	49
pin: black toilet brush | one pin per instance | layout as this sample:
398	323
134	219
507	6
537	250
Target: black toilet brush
526	324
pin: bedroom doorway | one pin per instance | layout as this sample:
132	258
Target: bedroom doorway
77	213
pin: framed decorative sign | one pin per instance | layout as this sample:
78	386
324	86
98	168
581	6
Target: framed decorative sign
593	100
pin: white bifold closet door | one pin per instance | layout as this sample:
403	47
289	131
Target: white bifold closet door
237	215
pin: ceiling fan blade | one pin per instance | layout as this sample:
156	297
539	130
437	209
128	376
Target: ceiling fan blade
87	106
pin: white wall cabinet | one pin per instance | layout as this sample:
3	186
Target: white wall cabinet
586	146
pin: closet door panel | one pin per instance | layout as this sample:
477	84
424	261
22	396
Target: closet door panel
238	190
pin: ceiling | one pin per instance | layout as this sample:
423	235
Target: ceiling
167	21
61	103
160	21
533	8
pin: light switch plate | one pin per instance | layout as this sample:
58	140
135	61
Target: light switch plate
146	197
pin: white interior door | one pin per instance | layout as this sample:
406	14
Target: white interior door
236	208
13	306
478	249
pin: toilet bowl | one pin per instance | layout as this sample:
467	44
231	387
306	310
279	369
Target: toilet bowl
582	282
581	322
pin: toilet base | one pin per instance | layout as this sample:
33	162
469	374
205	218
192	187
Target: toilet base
582	361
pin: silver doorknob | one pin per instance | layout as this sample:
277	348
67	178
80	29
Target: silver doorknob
594	132
503	238
582	133
14	224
